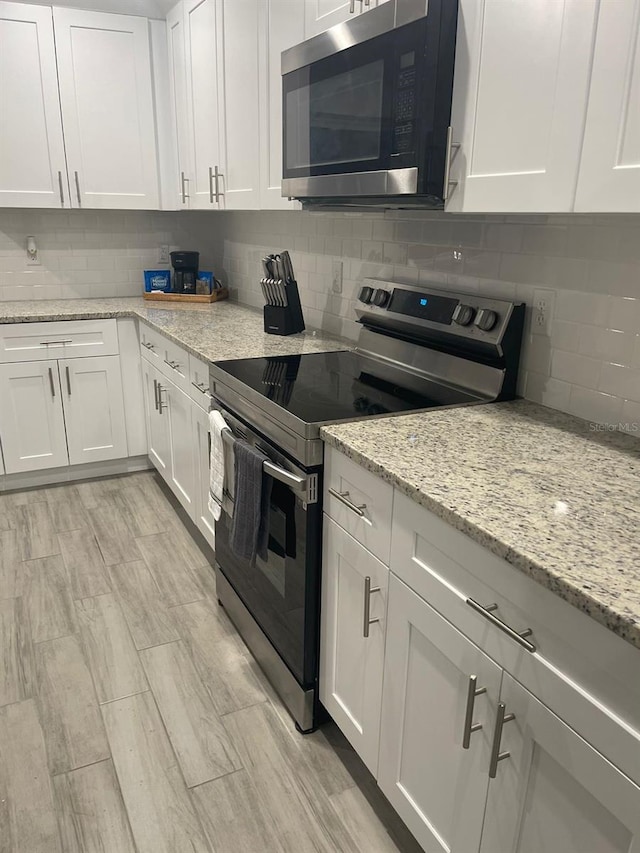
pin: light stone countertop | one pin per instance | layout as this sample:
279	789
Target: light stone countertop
212	331
538	488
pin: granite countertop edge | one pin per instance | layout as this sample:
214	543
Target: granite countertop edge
625	627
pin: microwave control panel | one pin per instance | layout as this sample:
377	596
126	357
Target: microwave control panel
405	97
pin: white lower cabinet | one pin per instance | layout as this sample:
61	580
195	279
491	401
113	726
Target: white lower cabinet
553	792
31	417
182	479
200	440
434	776
157	424
93	408
354	597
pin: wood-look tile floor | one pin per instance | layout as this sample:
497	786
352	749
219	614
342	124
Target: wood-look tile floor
132	716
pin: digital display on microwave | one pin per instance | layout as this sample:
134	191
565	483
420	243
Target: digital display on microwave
438	309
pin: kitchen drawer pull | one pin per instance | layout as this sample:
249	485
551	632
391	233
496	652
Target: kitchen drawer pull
519	637
161	406
448	159
65	341
60	187
367	621
66	368
155	393
212	194
496	755
203	389
469	726
53	389
185	194
352	7
217	174
174	365
343	497
78	189
148	346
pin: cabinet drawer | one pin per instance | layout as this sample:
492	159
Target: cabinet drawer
152	345
175	365
199	382
446	568
359	502
64	339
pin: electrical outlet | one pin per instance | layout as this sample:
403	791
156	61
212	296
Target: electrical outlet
163	257
542	312
33	260
336	279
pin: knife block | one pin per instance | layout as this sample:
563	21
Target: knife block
285	319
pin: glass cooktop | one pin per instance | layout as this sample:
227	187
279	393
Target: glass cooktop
332	386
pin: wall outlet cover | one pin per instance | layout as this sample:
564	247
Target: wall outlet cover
163	256
542	312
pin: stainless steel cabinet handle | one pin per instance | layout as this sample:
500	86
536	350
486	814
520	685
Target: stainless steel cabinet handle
496	755
367	2
155	393
46	343
212	192
161	406
66	368
174	365
448	159
78	189
519	637
184	181
202	388
217	174
367	621
148	346
343	497
60	186
53	389
469	726
352	7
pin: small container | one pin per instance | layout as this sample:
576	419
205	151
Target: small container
157	281
205	282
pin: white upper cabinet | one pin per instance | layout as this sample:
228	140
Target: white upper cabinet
281	25
104	71
33	170
238	41
609	177
520	94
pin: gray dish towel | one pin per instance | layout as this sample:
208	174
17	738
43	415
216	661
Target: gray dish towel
252	489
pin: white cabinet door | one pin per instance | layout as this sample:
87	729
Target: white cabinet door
238	103
31	419
157	422
281	26
179	109
182	480
200	441
93	408
104	71
520	93
33	171
319	15
610	168
351	664
554	792
204	112
437	786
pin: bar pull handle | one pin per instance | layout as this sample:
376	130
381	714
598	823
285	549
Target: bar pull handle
184	181
60	342
212	192
78	189
66	368
367	621
448	159
51	384
161	405
155	393
501	718
148	346
352	7
60	187
174	365
217	174
469	726
343	497
518	636
202	388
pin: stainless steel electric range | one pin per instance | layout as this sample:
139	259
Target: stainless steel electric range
418	349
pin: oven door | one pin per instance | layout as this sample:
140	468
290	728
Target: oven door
367	120
282	592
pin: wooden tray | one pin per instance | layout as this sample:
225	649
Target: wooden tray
216	296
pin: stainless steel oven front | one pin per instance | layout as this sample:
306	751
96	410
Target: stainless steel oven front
275	603
367	105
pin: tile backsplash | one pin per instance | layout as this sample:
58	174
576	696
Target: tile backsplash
585	359
586	269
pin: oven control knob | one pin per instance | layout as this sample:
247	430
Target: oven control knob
486	319
365	295
463	314
381	298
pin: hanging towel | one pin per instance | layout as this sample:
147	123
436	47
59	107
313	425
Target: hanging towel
216	463
252	489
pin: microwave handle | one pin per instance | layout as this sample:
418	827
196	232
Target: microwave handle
448	159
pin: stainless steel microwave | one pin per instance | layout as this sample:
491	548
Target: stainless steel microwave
367	107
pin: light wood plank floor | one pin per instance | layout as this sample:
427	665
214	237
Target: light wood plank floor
132	716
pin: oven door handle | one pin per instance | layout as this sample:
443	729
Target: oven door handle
304	487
